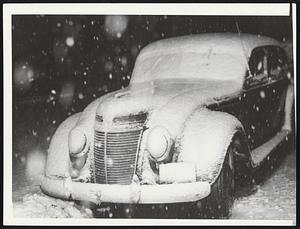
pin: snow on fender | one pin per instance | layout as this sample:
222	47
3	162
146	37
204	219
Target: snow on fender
205	139
58	159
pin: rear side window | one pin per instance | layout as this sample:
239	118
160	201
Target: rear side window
277	60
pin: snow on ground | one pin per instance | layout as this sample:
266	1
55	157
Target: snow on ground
274	199
30	202
41	206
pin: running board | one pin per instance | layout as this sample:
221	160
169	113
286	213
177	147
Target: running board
261	153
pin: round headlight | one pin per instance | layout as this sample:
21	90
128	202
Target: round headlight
159	143
77	142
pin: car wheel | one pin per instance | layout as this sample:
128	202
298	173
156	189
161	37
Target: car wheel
219	203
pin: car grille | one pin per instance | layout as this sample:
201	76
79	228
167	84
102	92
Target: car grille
115	156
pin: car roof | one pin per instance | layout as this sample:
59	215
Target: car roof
231	43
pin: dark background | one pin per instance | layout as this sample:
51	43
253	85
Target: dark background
62	63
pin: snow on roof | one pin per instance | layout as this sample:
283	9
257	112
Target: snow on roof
218	56
230	43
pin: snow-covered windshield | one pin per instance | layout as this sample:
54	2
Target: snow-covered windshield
186	65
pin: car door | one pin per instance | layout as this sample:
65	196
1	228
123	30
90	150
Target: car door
263	95
277	70
255	92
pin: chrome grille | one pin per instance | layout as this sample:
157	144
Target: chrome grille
115	155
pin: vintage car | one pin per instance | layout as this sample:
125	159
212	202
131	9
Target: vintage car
201	112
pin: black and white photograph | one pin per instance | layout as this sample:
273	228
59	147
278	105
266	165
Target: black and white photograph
154	116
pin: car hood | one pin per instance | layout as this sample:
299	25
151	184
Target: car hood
167	103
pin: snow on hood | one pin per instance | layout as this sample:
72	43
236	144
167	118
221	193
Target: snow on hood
167	102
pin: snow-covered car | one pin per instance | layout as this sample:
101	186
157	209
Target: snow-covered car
201	112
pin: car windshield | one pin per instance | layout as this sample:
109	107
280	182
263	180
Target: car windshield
187	65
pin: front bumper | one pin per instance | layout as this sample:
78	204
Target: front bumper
134	193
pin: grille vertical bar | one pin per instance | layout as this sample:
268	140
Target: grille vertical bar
115	155
137	151
105	155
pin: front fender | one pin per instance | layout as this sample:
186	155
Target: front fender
58	159
205	139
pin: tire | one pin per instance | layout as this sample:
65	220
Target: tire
220	201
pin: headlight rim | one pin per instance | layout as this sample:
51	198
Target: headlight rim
169	142
84	148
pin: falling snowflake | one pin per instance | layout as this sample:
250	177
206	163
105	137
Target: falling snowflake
115	25
70	41
262	94
119	35
23	159
66	94
110	161
24	76
98	144
123	61
71	23
60	50
30	75
80	96
108	66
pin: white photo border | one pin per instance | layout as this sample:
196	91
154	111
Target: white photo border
216	9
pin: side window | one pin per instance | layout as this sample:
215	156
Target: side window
258	64
277	61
